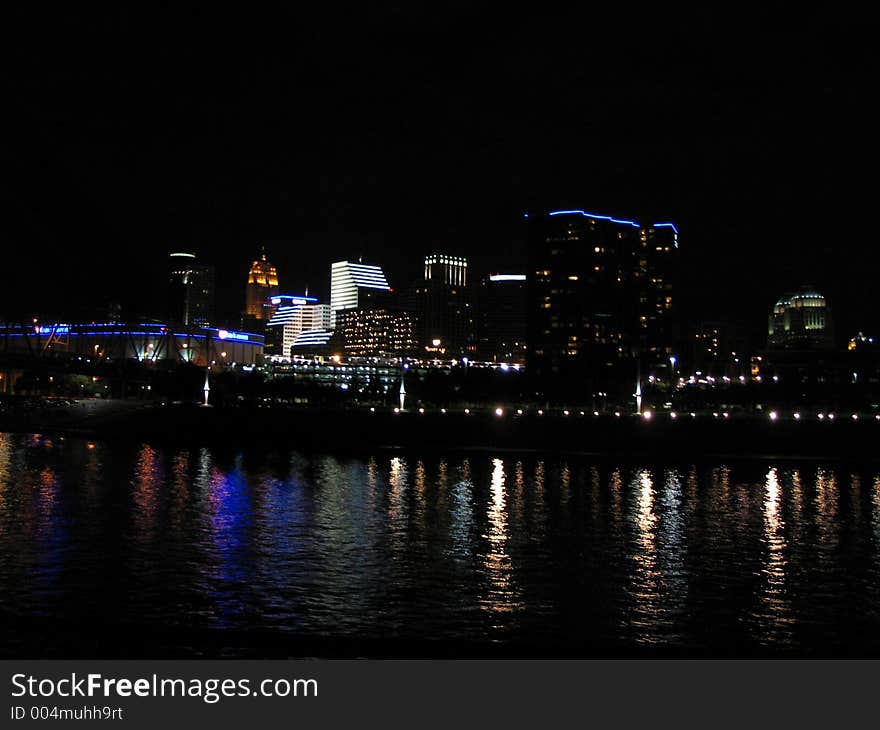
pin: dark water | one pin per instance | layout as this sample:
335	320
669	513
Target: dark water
557	554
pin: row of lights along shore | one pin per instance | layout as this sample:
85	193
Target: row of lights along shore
647	415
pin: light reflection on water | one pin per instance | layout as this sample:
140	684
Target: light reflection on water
551	552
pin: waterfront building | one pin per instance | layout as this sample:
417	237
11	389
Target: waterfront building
294	315
502	318
146	342
375	332
442	307
190	290
356	285
311	344
374	378
800	321
262	285
599	300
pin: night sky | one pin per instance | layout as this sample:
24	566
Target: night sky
334	133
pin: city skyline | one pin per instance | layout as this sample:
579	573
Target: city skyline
365	136
436	331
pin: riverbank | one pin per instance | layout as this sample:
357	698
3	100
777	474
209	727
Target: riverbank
562	431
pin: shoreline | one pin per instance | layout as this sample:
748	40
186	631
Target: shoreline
480	430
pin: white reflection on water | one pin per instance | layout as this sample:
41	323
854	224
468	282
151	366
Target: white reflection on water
462	521
775	607
644	577
502	595
397	481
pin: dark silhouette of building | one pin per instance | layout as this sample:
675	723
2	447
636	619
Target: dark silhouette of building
448	314
190	291
502	318
599	301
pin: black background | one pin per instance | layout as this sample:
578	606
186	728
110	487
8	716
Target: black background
392	131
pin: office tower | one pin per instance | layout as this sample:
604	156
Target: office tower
502	318
800	321
294	315
191	291
375	332
599	300
200	302
658	268
179	267
262	285
356	285
448	312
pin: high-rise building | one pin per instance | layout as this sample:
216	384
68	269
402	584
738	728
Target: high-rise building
191	291
262	285
356	285
502	318
375	332
294	315
800	321
599	300
448	320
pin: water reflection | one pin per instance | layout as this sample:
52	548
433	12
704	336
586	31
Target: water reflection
501	595
545	551
774	602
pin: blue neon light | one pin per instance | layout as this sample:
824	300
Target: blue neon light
594	215
293	298
232	335
666	225
129	333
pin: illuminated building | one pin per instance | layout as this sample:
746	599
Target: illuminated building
191	290
146	342
600	293
294	315
354	285
657	268
502	318
800	321
262	285
375	332
312	343
370	377
447	310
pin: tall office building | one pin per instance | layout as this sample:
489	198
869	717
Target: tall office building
801	321
262	285
599	297
448	316
191	291
356	285
293	316
375	332
502	318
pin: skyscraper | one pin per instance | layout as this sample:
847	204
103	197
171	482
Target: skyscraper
262	284
800	321
502	318
293	316
375	332
448	312
354	285
599	298
191	291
